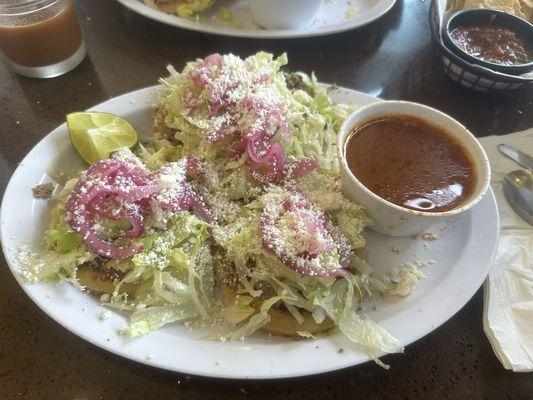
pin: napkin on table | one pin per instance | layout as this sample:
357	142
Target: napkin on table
508	290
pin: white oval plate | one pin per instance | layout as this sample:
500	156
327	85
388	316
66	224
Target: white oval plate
462	255
334	16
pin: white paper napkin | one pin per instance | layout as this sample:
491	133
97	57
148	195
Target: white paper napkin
508	290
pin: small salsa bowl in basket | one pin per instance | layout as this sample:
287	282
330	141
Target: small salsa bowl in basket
465	73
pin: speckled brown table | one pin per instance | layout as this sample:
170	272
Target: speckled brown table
391	59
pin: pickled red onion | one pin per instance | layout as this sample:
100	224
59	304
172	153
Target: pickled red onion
81	220
316	224
113	189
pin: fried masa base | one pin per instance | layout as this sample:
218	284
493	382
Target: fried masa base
282	323
99	281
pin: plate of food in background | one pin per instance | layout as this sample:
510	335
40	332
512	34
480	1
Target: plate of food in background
263	19
218	234
490	27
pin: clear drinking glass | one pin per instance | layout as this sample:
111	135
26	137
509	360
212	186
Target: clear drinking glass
40	38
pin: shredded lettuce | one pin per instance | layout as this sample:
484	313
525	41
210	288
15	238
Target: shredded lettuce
63	250
188	9
149	319
365	331
173	270
399	281
62	241
238	311
51	265
229	18
191	8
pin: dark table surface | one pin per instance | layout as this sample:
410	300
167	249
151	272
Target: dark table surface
390	58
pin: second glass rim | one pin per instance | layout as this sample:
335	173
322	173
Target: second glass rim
25	7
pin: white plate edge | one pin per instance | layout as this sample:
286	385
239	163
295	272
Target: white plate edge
172	20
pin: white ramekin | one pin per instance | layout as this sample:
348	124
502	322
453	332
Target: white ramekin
284	14
391	219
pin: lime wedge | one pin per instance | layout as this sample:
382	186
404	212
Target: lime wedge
96	135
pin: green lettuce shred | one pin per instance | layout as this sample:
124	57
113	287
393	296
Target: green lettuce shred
229	18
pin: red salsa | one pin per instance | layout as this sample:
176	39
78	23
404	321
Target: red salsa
411	163
495	44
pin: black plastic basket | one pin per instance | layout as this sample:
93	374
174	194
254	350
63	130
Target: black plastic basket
471	76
